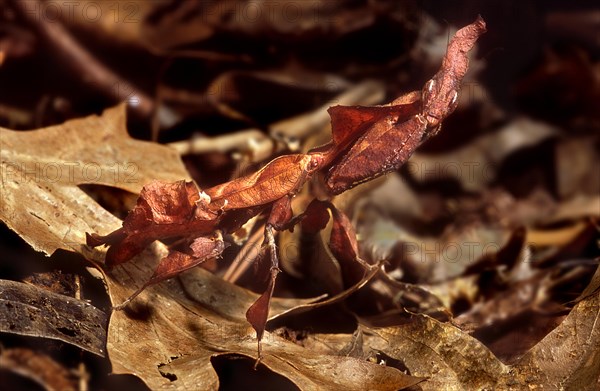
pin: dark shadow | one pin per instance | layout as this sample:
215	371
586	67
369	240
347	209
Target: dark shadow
237	373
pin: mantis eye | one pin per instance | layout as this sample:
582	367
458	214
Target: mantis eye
429	86
315	162
426	94
454	98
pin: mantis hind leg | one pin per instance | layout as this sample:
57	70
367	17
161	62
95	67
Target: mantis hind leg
258	313
200	250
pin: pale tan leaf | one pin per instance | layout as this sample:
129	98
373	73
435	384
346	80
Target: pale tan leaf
164	333
449	358
569	357
41	170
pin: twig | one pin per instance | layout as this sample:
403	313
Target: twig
245	140
82	62
261	147
245	257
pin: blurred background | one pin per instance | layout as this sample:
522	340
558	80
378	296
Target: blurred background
231	84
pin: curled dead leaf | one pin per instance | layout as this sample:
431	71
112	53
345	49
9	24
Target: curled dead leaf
36	312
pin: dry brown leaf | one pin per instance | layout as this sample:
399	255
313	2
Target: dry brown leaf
516	317
592	288
568	358
577	166
42	168
429	259
29	310
576	208
451	359
165	333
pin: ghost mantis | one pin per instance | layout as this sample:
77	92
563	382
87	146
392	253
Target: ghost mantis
367	142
